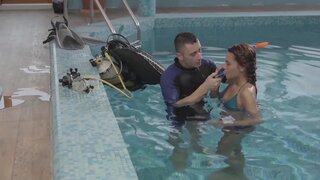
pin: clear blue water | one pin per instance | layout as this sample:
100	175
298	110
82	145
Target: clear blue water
285	146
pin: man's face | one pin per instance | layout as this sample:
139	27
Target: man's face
190	55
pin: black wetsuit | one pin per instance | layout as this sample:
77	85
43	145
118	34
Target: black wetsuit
178	82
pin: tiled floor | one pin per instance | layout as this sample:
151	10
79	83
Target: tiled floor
25	136
25	129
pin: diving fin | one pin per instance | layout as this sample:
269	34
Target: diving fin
93	41
66	38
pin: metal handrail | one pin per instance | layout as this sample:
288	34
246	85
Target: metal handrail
65	9
65	13
91	11
135	20
133	17
103	14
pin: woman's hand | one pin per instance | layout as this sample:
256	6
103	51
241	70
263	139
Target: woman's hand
224	121
216	123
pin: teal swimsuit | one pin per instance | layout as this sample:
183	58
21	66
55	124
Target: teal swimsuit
232	104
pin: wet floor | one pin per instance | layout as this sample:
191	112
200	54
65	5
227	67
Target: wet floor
19	96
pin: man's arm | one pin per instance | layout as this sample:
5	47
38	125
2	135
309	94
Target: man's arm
169	90
214	93
200	92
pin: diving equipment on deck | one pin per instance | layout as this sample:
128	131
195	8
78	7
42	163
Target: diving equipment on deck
136	67
73	80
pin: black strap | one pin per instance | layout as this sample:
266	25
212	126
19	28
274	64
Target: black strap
50	37
53	32
116	41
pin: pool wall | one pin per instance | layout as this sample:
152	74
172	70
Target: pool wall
87	140
220	25
73	4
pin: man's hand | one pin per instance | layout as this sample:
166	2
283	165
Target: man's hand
212	82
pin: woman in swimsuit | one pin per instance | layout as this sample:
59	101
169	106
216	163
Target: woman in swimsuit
240	111
239	97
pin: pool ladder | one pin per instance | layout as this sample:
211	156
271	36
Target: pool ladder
136	43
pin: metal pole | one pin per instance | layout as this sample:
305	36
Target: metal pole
135	20
105	16
65	9
91	12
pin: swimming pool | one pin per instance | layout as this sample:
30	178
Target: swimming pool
285	146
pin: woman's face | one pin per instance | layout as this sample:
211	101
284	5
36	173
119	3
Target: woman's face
232	67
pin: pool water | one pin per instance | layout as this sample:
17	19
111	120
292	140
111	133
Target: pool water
285	146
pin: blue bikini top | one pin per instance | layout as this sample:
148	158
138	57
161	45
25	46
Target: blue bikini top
232	103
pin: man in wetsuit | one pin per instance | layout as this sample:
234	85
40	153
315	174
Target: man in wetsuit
184	76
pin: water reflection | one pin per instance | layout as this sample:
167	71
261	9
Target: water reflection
182	148
230	147
226	162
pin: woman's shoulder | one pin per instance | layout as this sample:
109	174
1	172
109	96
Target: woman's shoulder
248	91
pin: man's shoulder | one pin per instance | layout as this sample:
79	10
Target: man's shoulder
168	74
171	69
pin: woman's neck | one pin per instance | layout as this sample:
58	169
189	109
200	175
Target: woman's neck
239	81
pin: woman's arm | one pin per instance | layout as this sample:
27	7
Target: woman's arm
249	104
247	98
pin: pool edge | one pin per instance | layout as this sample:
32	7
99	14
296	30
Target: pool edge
87	144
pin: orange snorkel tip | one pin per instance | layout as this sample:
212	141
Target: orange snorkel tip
261	45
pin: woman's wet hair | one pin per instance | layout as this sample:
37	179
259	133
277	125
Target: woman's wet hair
184	38
245	55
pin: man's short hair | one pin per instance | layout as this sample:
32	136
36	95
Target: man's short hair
184	38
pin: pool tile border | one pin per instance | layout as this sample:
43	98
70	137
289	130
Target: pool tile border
87	140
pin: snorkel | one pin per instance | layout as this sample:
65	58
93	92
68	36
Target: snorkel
261	45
